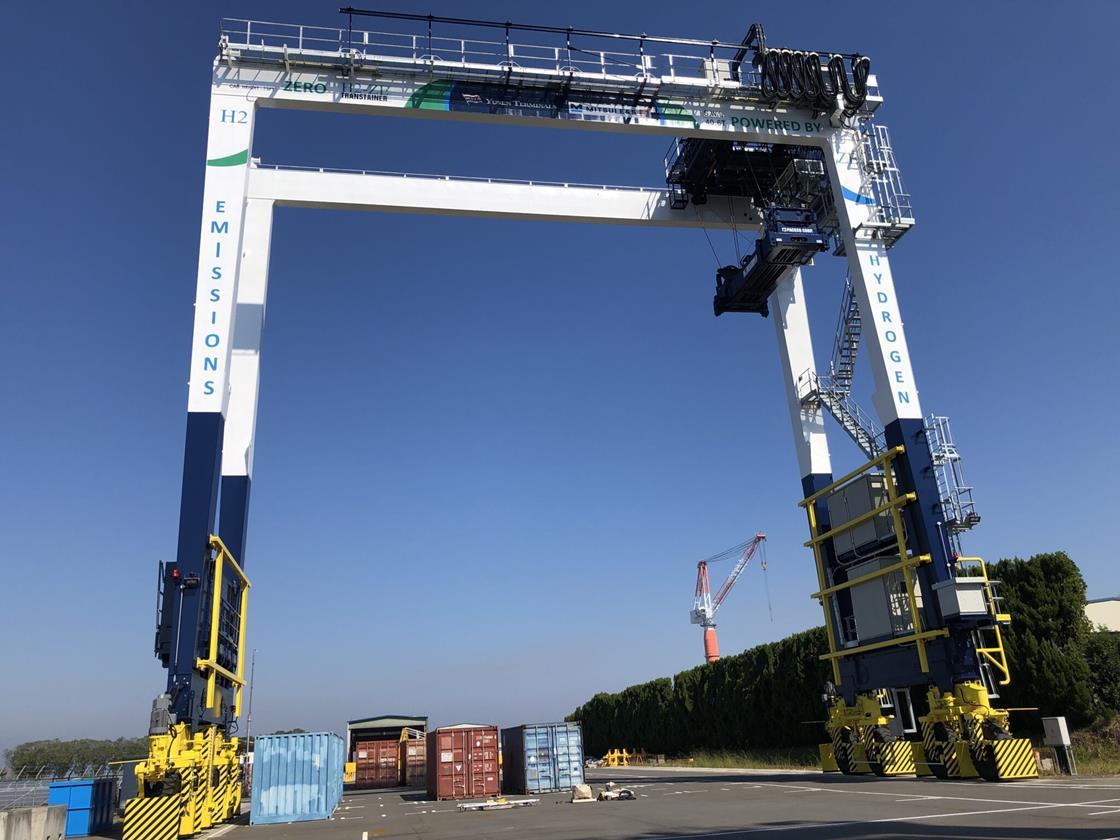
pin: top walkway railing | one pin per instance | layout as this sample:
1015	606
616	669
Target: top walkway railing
584	55
449	42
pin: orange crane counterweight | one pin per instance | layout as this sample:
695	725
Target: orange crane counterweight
704	606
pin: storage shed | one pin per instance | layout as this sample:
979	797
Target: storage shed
380	728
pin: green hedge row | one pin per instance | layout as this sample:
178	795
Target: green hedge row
768	696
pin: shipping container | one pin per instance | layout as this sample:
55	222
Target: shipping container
413	762
89	803
463	762
542	757
376	763
296	777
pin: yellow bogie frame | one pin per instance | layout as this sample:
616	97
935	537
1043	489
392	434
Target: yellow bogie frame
965	737
861	742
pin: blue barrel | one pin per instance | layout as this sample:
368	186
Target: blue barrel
296	777
89	804
542	757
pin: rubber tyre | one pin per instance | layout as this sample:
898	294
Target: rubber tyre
879	735
984	760
946	739
841	756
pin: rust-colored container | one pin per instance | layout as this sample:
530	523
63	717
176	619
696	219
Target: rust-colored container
413	762
463	762
376	764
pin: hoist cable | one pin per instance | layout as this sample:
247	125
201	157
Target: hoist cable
766	582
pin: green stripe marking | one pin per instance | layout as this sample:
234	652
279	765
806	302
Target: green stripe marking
434	96
236	159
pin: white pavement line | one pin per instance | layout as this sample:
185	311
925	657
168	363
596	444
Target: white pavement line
225	829
1025	783
845	789
813	826
1110	811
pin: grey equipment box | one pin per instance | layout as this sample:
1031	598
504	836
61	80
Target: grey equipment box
881	607
1055	731
855	499
962	597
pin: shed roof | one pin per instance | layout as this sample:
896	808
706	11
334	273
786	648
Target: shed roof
388	721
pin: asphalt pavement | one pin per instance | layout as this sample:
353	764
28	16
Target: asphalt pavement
696	804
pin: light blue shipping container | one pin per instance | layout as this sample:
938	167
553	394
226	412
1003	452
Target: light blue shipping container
542	757
296	777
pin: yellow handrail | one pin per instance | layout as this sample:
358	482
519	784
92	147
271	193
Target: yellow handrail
891	453
995	654
898	640
886	570
210	666
863	517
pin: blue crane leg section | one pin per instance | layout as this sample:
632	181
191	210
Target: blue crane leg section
233	518
201	470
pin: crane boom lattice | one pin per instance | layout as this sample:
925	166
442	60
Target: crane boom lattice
704	605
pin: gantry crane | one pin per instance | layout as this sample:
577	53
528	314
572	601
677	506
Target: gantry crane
782	143
704	606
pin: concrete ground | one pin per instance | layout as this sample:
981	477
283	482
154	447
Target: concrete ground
680	804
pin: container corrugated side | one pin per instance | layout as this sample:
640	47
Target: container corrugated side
542	757
463	762
296	777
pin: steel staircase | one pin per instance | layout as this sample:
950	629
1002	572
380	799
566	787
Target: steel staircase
845	348
860	426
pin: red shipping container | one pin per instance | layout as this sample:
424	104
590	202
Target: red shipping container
463	762
375	764
413	762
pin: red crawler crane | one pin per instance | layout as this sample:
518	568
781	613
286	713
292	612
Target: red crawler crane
704	606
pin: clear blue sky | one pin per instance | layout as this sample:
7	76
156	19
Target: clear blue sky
489	453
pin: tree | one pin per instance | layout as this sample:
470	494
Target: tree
56	758
1047	639
1102	652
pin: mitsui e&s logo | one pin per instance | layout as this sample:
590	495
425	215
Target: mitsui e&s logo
227	156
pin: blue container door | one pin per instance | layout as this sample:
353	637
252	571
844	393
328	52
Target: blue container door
540	770
568	755
78	798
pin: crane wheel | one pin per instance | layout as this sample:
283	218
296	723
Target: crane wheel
941	751
878	737
844	749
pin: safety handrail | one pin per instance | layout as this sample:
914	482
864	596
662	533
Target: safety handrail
995	654
210	666
573	54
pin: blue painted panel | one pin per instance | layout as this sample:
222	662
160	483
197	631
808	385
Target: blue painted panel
539	758
89	804
296	777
